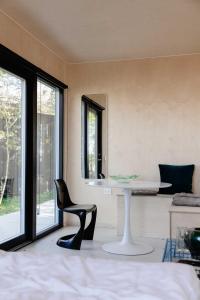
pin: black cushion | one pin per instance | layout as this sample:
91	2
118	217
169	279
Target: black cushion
179	176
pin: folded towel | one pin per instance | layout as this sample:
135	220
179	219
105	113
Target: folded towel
186	199
188	195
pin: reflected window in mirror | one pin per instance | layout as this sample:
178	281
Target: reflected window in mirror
92	138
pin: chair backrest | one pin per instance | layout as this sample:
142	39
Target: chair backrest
102	176
63	198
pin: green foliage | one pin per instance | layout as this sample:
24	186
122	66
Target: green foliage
46	96
12	204
12	89
10	112
9	205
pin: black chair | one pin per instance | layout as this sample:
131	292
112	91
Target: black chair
102	176
73	241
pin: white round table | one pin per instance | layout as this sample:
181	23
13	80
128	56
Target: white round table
127	246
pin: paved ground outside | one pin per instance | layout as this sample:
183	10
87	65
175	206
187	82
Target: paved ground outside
11	225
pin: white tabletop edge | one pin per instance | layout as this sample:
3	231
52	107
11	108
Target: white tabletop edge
135	184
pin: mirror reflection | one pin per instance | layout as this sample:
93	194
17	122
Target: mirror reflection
94	136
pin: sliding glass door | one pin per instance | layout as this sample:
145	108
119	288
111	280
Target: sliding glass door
12	154
47	155
31	150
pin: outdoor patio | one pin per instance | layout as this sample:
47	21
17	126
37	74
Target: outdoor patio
10	225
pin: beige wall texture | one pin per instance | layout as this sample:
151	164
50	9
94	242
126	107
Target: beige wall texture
153	117
17	39
153	113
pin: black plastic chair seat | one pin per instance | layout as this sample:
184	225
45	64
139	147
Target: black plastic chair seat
73	241
78	207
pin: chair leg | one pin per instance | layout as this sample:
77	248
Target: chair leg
73	241
89	231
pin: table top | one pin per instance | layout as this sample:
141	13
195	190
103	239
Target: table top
133	185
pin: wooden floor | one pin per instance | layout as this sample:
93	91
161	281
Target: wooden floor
94	248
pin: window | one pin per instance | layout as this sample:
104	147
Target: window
47	155
12	148
91	138
31	129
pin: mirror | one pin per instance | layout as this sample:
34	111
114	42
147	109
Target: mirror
94	129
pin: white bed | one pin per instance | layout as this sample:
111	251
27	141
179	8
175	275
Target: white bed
26	276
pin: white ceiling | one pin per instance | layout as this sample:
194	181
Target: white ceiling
97	30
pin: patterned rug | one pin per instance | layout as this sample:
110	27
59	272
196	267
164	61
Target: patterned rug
171	253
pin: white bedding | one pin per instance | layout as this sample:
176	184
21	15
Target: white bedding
54	277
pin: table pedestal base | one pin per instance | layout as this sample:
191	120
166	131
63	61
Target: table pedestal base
127	248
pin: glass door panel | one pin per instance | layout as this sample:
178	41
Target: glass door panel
47	156
12	155
92	142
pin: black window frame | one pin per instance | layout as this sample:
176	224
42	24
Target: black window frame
89	103
19	66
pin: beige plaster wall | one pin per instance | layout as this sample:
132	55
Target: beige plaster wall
153	112
17	39
153	117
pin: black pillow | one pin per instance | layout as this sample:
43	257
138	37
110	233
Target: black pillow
179	176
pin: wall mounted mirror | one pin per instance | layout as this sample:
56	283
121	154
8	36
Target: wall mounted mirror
94	128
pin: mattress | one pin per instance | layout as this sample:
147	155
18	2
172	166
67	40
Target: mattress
26	276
